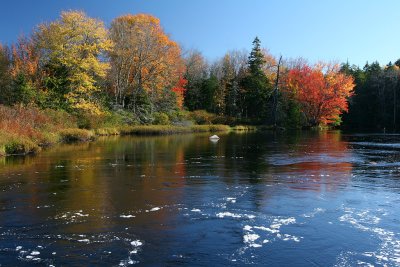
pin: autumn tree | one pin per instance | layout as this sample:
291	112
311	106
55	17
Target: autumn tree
179	89
229	70
322	92
26	73
196	71
144	61
72	55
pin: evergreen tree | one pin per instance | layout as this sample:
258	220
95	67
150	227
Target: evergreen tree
256	84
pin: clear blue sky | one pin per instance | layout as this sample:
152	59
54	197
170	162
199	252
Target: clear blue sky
357	30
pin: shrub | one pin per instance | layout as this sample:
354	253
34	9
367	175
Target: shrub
202	117
19	146
72	135
161	118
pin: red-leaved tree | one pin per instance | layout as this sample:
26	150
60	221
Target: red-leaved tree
179	90
322	92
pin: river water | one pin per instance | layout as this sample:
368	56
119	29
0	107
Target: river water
298	199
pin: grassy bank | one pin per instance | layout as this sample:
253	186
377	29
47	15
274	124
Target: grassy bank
169	129
25	130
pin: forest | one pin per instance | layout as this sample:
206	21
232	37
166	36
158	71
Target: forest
73	78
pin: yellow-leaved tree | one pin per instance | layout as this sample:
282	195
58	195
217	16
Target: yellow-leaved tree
75	45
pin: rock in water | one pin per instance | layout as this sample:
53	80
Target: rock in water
214	137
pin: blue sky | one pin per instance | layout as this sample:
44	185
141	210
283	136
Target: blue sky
341	30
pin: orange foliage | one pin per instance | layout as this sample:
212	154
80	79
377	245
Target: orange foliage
25	59
322	92
144	57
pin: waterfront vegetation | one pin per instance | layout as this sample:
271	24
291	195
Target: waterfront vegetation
73	79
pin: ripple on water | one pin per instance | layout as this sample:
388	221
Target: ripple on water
388	252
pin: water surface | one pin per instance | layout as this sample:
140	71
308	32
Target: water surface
305	199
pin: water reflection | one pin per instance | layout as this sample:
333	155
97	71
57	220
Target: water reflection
123	200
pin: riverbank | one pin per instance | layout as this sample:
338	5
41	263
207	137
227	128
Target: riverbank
25	130
21	145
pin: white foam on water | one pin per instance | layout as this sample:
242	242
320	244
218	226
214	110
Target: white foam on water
234	215
254	245
250	238
388	252
84	240
43	207
313	213
253	233
263	228
136	243
231	199
81	214
247	228
287	237
127	262
35	252
18	248
196	210
228	214
286	221
365	264
155	209
127	216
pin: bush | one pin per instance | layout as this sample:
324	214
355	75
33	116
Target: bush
161	118
227	120
202	117
20	146
72	135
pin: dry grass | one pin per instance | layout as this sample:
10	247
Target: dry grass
168	129
24	129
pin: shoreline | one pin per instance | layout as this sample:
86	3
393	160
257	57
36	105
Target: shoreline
20	146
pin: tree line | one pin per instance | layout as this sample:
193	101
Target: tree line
79	65
375	103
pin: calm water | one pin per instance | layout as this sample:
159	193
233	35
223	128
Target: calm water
310	199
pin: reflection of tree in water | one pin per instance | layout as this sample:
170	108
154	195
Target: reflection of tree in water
120	175
105	179
318	161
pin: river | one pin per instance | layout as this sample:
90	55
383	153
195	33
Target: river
262	199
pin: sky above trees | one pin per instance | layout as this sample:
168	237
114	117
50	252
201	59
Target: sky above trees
341	30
